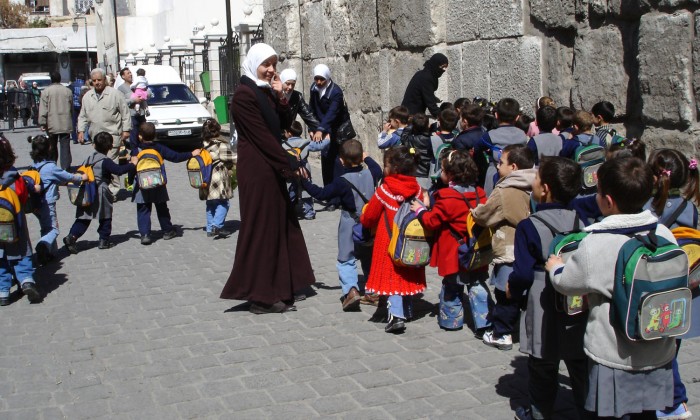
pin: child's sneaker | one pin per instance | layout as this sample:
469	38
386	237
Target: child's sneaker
4	301
678	413
522	413
395	324
29	290
70	242
503	343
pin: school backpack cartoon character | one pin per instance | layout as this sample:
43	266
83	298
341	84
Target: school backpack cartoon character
10	208
651	298
32	178
590	158
410	242
474	251
199	170
83	193
150	170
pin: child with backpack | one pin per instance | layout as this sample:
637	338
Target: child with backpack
417	136
508	204
442	142
625	376
15	247
582	135
51	177
494	141
676	189
545	142
300	149
604	112
565	122
447	218
393	127
547	336
158	195
386	278
353	188
541	102
219	190
101	208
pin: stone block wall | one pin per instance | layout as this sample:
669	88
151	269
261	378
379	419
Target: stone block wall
641	55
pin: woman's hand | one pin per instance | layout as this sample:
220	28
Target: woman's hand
276	84
318	136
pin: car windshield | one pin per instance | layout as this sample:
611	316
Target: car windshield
171	94
42	83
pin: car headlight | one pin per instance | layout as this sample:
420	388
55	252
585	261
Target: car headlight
201	120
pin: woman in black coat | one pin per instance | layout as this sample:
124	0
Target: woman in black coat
420	92
297	104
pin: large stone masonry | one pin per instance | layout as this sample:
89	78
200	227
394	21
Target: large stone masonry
642	55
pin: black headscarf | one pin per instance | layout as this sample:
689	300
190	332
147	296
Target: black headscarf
433	64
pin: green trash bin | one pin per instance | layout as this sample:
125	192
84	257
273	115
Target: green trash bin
205	78
221	108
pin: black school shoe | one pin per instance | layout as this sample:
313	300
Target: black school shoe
29	290
4	301
146	240
43	254
105	244
396	325
169	234
70	242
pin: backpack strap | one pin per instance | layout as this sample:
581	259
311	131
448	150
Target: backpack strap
453	231
355	215
671	219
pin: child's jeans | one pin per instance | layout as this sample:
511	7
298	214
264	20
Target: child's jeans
80	226
679	393
307	203
23	270
216	213
504	314
400	306
543	384
347	274
451	308
48	221
143	217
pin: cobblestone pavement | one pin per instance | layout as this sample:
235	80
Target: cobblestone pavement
139	332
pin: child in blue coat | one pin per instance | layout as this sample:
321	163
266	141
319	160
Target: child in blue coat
159	195
51	177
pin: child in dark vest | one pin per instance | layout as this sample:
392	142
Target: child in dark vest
159	196
417	136
547	336
447	219
354	188
545	143
101	208
15	257
507	112
625	377
51	177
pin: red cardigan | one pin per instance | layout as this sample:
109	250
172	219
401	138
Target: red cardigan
449	210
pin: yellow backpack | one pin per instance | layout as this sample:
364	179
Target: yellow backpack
10	207
150	170
199	170
32	178
410	242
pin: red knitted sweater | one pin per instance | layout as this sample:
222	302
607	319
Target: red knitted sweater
385	277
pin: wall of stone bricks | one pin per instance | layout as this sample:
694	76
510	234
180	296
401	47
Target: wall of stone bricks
641	55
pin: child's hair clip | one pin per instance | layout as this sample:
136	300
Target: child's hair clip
412	151
449	156
693	164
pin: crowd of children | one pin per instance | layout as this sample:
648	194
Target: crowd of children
524	181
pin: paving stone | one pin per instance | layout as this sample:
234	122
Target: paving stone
294	392
247	400
334	404
334	386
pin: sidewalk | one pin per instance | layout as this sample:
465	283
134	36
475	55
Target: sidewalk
136	332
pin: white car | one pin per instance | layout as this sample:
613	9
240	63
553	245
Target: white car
175	111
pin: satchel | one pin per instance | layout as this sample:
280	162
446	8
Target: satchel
345	131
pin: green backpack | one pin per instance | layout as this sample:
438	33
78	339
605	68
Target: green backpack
651	298
589	158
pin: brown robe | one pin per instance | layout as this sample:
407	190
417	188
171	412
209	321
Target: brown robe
271	261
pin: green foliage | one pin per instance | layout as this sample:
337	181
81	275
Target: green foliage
39	23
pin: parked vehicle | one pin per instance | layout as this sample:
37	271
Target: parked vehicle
42	80
176	112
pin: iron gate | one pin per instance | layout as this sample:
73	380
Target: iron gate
230	67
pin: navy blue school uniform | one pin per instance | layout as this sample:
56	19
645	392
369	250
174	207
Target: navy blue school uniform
469	138
546	335
545	144
586	207
495	141
158	196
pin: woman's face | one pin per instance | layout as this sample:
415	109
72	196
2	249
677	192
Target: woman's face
267	69
288	86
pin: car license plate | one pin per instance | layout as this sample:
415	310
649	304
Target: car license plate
172	133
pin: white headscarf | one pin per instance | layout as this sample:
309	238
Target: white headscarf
322	70
287	75
256	55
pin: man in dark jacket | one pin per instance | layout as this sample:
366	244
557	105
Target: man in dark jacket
420	92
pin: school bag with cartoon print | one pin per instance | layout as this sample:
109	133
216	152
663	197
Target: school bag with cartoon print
10	218
84	193
651	298
199	169
563	245
590	157
150	170
474	251
410	242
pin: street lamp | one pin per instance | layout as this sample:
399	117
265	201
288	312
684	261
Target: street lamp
87	51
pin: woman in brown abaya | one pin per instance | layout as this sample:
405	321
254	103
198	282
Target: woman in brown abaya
271	262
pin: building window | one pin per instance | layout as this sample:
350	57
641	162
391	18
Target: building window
83	6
